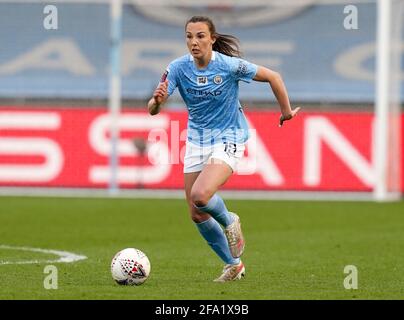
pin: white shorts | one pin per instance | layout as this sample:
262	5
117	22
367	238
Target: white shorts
196	156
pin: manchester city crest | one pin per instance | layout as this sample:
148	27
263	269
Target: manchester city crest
217	79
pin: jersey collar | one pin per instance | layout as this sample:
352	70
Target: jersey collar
213	58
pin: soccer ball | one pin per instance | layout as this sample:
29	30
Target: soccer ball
130	267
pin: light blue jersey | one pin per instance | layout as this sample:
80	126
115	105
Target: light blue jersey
211	96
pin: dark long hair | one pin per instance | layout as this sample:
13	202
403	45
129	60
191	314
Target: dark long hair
225	43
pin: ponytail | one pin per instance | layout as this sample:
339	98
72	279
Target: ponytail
227	44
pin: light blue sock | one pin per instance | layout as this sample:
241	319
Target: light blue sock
214	235
217	209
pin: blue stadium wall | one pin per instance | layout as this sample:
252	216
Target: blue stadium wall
319	59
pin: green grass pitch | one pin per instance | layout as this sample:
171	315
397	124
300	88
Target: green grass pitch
294	250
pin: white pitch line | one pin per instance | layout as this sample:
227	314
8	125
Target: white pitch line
64	256
179	194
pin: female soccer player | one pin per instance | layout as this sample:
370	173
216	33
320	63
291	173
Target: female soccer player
207	79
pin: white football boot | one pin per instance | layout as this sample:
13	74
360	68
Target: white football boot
232	272
235	237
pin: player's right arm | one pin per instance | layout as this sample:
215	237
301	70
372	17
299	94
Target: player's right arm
160	96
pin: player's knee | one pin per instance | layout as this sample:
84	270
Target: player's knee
200	197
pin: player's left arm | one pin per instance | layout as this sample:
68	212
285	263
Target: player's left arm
279	89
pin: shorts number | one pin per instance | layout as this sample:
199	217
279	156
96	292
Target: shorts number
230	148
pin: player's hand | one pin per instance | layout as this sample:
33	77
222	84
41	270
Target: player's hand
160	94
288	116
